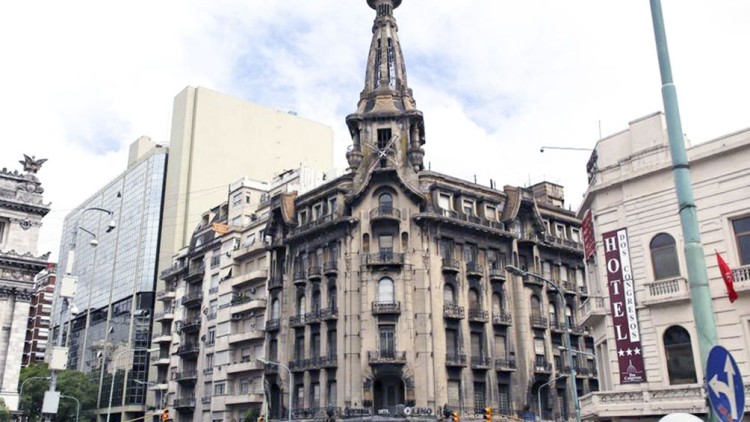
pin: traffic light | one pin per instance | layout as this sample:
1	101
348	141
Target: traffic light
165	415
456	417
488	414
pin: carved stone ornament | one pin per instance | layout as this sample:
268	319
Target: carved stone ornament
31	164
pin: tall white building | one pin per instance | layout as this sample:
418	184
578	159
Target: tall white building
631	193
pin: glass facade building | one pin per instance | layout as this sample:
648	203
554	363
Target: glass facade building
115	291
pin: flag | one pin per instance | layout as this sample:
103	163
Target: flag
726	274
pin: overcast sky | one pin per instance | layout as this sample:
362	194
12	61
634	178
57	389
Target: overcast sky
496	79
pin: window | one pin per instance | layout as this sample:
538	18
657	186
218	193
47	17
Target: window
552	313
449	295
384	136
219	389
479	396
444	201
211	336
237	199
331	393
664	257
477	341
301	305
302	217
536	310
575	235
474	299
3	226
299	344
468	207
275	309
490	213
385	201
497	304
451	342
332	205
387	334
316	299
385	244
560	231
209	360
679	351
332	297
569	316
454	393
385	290
503	400
500	347
331	340
741	228
317	211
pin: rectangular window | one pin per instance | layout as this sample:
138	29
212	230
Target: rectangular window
317	211
575	235
209	360
219	389
500	347
503	402
315	395
299	345
451	341
331	393
3	228
741	228
476	345
237	199
211	336
302	217
331	342
454	393
468	207
315	346
332	204
387	339
384	136
385	243
444	201
560	231
490	212
479	396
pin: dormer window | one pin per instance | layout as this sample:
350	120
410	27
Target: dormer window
317	211
467	206
444	201
302	217
560	231
490	212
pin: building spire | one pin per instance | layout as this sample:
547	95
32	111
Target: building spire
386	102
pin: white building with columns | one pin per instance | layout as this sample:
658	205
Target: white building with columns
632	188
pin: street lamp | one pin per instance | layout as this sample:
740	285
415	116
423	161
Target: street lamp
68	273
566	337
539	393
160	400
78	404
20	389
291	381
114	373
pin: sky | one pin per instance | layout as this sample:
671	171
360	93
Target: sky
495	79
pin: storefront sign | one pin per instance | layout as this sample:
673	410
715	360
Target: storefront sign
587	230
622	303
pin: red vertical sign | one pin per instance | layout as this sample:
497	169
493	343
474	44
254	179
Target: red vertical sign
622	303
587	229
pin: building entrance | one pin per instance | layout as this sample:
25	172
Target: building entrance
388	392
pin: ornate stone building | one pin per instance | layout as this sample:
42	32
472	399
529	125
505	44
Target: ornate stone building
21	211
388	292
38	329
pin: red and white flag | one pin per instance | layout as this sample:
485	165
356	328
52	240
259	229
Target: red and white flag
726	274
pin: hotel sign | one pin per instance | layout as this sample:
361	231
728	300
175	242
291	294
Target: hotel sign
622	303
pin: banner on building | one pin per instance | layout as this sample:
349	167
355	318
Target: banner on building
622	303
220	228
589	241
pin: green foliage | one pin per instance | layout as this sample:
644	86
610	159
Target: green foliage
69	383
4	412
251	414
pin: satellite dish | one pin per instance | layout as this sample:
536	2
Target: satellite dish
680	417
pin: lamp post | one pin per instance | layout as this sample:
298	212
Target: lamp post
78	404
291	381
68	273
566	337
114	373
539	393
160	400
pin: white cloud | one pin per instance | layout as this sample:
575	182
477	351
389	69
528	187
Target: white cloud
495	79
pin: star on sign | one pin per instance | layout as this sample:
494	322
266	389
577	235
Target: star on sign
637	351
629	352
621	352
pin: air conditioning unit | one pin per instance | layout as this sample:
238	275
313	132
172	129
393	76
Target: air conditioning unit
203	338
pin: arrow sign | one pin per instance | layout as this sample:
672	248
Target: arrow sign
725	389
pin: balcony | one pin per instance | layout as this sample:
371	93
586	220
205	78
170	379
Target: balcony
185	377
383	259
172	271
480	362
385	213
594	309
542	366
245	250
184	403
297	321
386	357
299	278
473	269
497	274
188	350
569	288
505	365
387	307
452	311
244	366
455	359
330	268
242	398
195	272
244	303
298	365
534	280
273	324
312	317
163	337
190	325
666	291
478	315
558	326
276	281
161	360
538	322
249	277
246	336
637	404
565	243
192	299
330	361
450	265
166	294
741	277
329	313
314	273
502	318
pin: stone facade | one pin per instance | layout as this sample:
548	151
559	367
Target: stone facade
632	187
388	291
38	329
21	211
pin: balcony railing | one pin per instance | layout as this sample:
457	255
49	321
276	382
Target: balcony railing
185	376
666	291
273	324
637	404
542	365
474	269
538	321
386	357
386	307
330	267
478	315
196	271
297	320
386	212
188	349
184	402
329	361
312	317
312	224
455	359
276	281
314	272
174	269
497	274
502	318
505	364
741	277
480	362
594	309
329	313
452	311
450	265
299	277
558	326
383	258
192	298
193	324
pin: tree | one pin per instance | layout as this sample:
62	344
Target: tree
4	412
69	383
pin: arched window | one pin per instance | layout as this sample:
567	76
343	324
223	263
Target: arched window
275	309
449	295
301	305
664	257
497	303
385	290
385	201
474	299
536	309
679	351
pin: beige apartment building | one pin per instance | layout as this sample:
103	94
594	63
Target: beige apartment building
632	192
388	293
210	315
